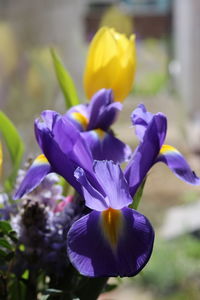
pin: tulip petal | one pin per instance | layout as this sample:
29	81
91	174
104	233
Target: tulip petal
36	173
92	253
146	153
177	164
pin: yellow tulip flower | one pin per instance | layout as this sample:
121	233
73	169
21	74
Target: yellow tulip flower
110	64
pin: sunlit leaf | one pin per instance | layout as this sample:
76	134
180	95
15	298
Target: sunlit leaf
5	244
5	226
14	144
65	81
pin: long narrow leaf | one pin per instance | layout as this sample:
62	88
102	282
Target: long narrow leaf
138	196
14	144
65	81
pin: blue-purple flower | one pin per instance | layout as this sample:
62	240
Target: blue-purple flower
113	239
151	131
65	145
94	120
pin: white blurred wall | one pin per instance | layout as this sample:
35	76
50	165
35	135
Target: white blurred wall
187	52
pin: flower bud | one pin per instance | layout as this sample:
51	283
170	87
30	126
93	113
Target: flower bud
110	63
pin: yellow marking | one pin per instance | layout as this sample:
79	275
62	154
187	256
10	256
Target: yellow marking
100	133
41	159
80	119
112	225
168	148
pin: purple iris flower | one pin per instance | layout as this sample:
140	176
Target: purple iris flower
113	239
151	131
64	149
66	145
93	120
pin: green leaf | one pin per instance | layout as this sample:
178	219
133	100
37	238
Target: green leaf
15	147
138	196
65	81
5	244
5	226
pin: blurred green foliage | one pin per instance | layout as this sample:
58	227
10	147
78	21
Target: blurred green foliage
174	269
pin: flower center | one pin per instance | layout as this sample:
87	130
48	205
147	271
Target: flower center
112	224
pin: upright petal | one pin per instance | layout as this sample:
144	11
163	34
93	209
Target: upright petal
113	183
102	110
141	118
121	250
94	198
36	173
177	163
146	153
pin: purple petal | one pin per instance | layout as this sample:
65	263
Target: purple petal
141	118
64	148
38	170
177	164
79	116
146	153
104	146
112	181
102	110
91	250
93	198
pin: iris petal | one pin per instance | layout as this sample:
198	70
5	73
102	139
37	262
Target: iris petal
102	110
113	182
141	118
104	145
38	170
146	153
177	164
91	252
64	148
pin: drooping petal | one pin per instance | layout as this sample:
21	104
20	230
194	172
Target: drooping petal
105	146
38	170
102	110
177	163
141	118
146	153
118	245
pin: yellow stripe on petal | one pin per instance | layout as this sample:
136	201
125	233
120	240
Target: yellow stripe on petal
112	223
167	149
101	134
41	159
81	119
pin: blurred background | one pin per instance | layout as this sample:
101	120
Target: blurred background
167	80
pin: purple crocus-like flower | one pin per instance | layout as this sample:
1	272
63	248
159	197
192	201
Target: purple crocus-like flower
65	145
151	131
113	239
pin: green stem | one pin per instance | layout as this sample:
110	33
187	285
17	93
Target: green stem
92	289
